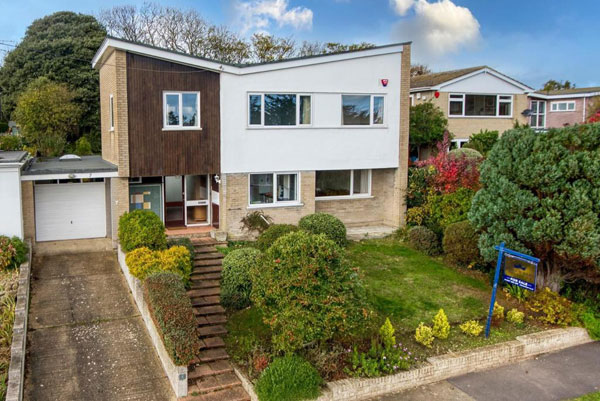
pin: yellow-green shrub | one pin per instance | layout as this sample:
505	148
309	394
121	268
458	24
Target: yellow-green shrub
178	260
441	327
551	308
514	316
498	313
424	335
142	262
472	328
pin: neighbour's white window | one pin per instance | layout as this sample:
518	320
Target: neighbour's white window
538	114
457	105
562	106
457	143
111	112
363	109
181	110
279	109
343	183
467	105
273	188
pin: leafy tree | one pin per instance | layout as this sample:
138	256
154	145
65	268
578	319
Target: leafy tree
552	85
47	113
60	47
427	124
419	69
316	48
541	195
483	141
270	48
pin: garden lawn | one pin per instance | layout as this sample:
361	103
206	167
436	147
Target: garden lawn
410	287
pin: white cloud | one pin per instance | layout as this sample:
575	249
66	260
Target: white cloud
402	6
437	29
258	15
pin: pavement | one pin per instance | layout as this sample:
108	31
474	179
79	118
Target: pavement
556	376
86	339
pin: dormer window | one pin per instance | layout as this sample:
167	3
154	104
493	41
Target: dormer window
181	110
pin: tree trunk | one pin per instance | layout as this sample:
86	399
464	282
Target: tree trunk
549	275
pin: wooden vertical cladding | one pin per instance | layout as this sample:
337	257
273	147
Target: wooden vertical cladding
154	152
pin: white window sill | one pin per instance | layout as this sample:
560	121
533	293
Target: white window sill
343	197
274	205
482	117
182	129
563	111
112	129
291	127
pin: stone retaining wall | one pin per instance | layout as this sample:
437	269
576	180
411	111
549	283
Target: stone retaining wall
177	375
16	369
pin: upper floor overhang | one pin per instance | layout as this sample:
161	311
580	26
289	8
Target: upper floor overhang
110	44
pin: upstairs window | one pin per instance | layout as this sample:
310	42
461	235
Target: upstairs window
181	110
562	106
279	109
465	105
362	109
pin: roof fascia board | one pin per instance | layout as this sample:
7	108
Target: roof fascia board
486	71
566	96
68	176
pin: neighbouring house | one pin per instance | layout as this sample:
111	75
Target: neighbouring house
473	99
202	143
558	108
11	217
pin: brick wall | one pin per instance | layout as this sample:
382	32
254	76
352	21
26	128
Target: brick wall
113	80
28	210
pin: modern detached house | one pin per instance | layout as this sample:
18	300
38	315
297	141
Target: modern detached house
202	143
473	99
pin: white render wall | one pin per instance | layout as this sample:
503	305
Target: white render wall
326	145
11	210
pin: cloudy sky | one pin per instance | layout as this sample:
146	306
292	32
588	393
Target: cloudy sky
530	40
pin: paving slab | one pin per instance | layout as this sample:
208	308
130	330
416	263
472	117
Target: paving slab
86	339
441	391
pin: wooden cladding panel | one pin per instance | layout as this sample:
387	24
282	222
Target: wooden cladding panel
154	152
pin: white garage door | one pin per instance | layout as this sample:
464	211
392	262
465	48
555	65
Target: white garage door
70	211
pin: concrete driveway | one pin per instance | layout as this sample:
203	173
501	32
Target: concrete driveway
86	340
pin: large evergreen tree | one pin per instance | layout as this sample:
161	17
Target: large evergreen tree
59	47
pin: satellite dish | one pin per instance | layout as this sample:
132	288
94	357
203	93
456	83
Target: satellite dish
69	157
527	112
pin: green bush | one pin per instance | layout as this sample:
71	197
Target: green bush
472	328
83	147
307	291
592	323
177	260
465	152
271	234
323	223
11	142
143	262
3	127
418	185
172	313
8	253
289	378
256	221
460	243
449	208
141	228
424	335
441	327
550	308
424	240
182	241
483	141
236	284
498	312
514	316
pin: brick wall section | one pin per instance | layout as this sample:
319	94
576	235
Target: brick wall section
28	210
119	193
113	80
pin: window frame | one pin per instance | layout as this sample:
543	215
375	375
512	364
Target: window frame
180	127
459	143
352	194
537	113
371	110
463	100
262	110
275	203
111	112
566	102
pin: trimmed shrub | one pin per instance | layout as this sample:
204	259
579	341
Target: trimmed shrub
514	316
307	291
83	147
424	240
483	141
424	335
172	313
465	152
418	185
289	378
550	308
498	313
323	223
142	262
441	327
177	260
141	228
460	243
472	328
182	241
271	234
236	284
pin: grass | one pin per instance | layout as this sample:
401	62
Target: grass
7	317
588	397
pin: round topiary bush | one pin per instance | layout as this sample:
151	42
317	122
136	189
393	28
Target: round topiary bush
307	291
424	240
465	152
271	234
290	378
141	228
323	223
460	243
236	284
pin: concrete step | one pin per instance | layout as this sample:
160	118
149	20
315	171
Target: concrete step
200	284
204	249
212	342
211	320
210	255
236	393
208	262
209	310
209	369
206	301
206	276
213	354
204	292
212	331
209	384
207	269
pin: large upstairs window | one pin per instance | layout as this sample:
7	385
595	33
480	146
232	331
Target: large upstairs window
181	110
466	105
279	109
362	109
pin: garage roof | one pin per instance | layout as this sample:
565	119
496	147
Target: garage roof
83	167
16	156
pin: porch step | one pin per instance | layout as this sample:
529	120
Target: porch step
206	276
208	262
212	354
211	331
209	369
211	320
205	284
209	310
206	301
213	255
212	342
204	292
207	269
204	249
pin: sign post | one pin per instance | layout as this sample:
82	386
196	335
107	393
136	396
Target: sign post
519	269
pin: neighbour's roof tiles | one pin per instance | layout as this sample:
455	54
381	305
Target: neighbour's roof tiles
424	81
573	91
87	164
11	156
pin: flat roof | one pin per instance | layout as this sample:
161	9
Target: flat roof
12	156
86	164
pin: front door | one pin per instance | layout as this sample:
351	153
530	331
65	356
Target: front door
197	192
215	201
174	201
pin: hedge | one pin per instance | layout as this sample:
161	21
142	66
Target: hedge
323	223
460	243
172	313
236	284
424	240
143	262
141	228
271	234
290	378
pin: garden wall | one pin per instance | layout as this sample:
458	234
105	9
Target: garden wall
177	375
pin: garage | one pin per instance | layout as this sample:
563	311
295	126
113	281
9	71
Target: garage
72	210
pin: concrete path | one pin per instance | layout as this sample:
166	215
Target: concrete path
86	340
551	377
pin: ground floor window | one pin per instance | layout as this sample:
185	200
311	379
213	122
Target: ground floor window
538	114
273	188
344	183
458	143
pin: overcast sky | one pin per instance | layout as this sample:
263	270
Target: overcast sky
530	40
